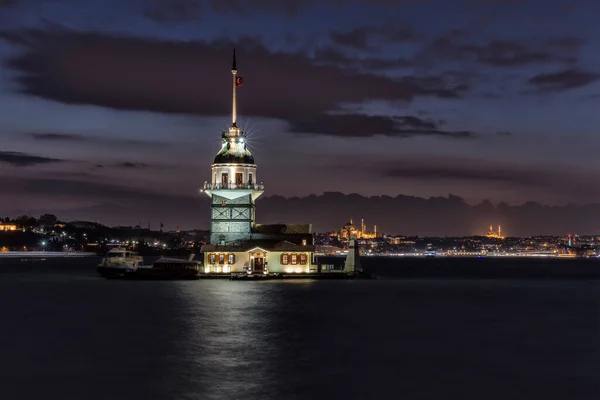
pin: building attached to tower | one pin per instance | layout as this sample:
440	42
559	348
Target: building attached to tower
237	242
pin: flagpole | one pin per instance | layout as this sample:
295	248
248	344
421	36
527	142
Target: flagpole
234	108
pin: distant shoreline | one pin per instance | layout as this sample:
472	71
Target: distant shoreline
44	254
62	254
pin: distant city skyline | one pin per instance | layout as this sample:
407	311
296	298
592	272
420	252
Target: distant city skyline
108	105
405	215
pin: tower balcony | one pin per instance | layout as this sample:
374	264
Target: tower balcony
234	186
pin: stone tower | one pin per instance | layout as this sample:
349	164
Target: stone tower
234	186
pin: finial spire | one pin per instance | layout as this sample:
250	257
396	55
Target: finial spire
233	68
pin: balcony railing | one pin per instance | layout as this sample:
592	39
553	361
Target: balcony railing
246	186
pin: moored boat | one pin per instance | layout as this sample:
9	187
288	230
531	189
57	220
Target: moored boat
163	269
119	262
169	269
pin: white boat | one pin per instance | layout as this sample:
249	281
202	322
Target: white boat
121	258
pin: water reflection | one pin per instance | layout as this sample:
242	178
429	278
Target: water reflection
238	336
81	337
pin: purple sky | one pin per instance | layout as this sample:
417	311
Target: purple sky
118	102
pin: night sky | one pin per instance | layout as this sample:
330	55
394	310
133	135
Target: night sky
113	104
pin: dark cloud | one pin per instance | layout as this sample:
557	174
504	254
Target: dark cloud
23	159
460	46
364	38
128	164
550	179
346	126
113	204
416	123
106	141
186	10
327	55
333	56
80	188
56	136
563	80
464	173
174	77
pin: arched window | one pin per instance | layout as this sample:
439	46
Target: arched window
231	259
212	258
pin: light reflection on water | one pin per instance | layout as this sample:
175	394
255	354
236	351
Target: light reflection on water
238	336
80	337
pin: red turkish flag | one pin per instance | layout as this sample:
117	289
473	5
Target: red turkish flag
239	81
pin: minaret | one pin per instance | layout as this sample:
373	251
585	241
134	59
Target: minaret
362	227
375	230
233	187
499	231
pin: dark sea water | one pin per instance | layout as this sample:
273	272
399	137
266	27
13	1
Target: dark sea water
459	329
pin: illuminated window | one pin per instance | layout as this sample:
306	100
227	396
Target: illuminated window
239	178
285	259
221	258
303	259
294	259
224	179
212	258
303	242
231	259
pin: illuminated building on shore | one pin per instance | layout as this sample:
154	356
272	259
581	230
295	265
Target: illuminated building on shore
7	227
494	235
237	242
349	231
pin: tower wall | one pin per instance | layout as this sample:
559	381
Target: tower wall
231	220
